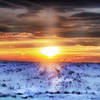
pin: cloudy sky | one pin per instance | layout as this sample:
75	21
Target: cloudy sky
72	24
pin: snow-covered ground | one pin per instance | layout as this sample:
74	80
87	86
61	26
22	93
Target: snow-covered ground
49	81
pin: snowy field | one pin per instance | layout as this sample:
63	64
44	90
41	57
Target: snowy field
49	81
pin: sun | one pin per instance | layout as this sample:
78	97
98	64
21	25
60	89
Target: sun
50	51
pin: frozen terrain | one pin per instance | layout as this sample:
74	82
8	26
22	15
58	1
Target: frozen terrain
49	81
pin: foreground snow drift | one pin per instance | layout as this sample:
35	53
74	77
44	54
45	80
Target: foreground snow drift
57	81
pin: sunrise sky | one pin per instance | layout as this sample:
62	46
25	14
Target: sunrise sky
27	26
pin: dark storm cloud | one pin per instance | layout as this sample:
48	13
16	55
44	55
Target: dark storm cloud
80	34
63	18
37	4
82	24
87	16
4	29
55	2
18	4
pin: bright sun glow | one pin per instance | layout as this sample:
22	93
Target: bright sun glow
50	51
